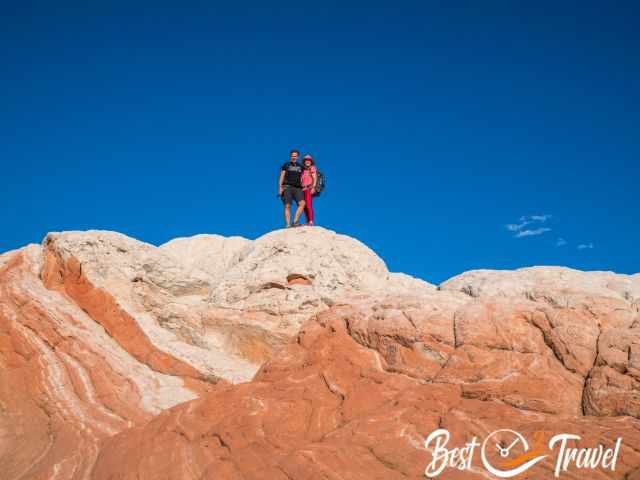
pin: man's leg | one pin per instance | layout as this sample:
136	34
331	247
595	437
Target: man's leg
299	196
287	197
287	214
299	211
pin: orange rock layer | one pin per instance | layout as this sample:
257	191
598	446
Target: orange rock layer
328	407
66	383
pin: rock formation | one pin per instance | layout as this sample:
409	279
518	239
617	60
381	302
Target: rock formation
297	356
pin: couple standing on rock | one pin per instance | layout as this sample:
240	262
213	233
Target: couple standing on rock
298	181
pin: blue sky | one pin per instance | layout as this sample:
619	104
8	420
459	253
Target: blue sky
454	135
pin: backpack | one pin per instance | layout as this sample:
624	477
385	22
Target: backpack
321	182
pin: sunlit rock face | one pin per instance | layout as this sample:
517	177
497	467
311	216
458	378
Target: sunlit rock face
297	355
73	372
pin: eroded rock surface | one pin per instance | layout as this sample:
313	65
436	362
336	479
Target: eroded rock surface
354	396
590	320
66	382
297	355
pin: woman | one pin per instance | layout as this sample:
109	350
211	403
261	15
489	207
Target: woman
309	181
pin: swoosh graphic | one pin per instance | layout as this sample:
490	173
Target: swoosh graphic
520	459
515	471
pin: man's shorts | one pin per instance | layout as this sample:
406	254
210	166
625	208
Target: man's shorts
290	193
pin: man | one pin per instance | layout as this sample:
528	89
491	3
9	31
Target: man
290	188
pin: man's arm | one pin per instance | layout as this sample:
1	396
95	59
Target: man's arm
280	180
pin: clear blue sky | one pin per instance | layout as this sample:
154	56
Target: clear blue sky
437	124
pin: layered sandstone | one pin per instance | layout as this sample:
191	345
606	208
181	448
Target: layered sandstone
66	382
296	355
354	396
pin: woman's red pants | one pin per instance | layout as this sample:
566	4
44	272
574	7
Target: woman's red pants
308	205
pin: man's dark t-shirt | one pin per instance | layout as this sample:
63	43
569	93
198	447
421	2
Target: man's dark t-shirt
292	175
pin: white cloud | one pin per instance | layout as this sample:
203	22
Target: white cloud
532	233
583	246
540	218
524	221
561	242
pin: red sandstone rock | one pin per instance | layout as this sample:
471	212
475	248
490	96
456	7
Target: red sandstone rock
330	407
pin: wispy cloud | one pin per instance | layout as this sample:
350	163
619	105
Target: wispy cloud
561	242
584	246
532	233
540	218
520	229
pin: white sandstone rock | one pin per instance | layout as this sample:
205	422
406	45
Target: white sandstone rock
555	284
